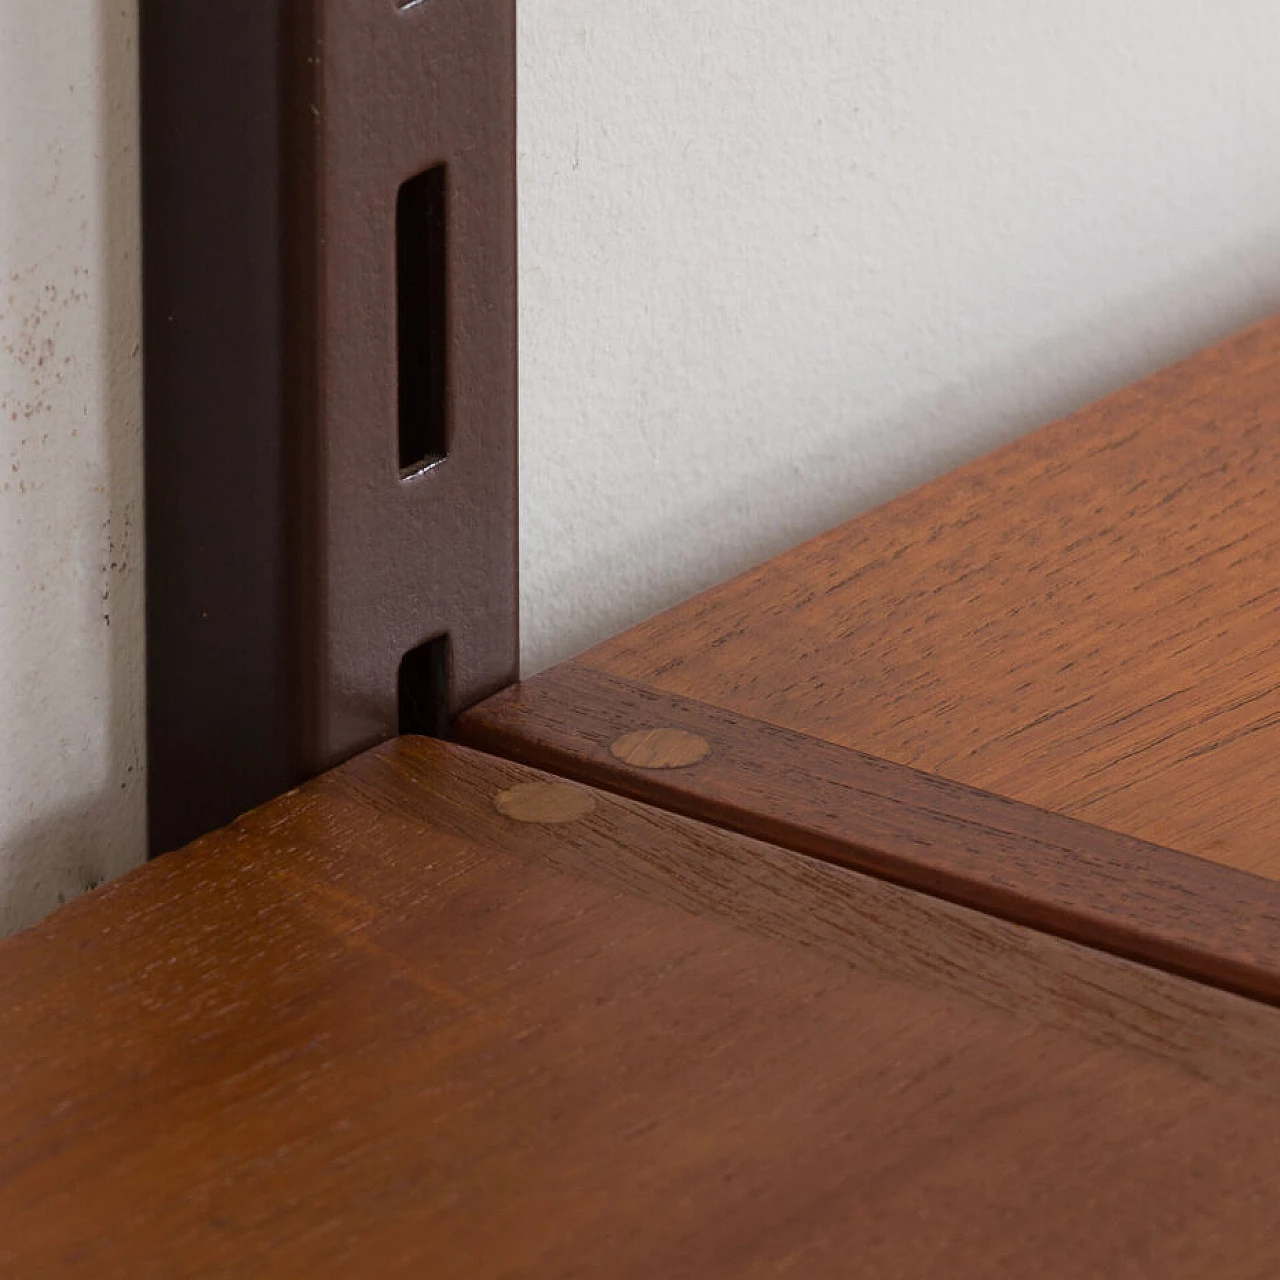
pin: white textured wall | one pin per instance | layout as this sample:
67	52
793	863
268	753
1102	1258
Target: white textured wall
781	261
778	262
71	788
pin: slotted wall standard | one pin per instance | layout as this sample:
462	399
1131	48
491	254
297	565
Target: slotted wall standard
331	381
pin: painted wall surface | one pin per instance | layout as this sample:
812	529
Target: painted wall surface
782	261
779	262
71	694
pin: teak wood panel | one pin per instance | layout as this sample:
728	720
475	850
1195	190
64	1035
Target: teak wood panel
379	1028
1087	621
985	851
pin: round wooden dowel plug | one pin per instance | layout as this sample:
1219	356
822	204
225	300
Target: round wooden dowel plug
660	749
544	802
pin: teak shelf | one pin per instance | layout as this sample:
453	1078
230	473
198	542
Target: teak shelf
906	906
1046	685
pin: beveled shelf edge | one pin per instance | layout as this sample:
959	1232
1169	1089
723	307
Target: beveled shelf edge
1053	873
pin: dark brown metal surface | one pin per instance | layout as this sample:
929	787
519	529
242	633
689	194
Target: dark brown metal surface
291	565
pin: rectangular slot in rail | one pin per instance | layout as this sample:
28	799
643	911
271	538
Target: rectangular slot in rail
421	319
424	689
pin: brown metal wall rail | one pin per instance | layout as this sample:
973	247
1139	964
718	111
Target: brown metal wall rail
329	204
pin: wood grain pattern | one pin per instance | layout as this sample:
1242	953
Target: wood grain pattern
377	1028
1087	621
1024	864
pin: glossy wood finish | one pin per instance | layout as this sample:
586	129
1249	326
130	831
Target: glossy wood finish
378	1028
1087	621
968	846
